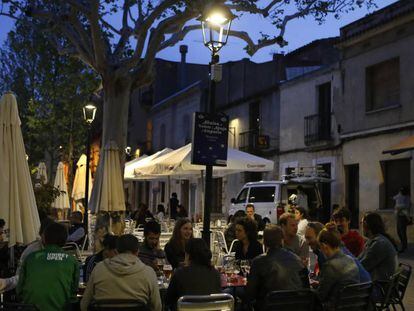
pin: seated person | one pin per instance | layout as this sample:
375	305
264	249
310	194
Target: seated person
278	269
291	239
49	278
379	257
77	230
11	283
337	271
247	246
311	235
4	251
250	212
108	251
181	211
351	238
149	251
142	215
198	277
230	233
123	276
160	213
175	248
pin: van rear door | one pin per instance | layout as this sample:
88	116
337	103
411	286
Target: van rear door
264	198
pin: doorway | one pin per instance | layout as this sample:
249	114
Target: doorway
352	192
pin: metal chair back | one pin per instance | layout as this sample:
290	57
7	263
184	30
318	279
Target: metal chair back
286	300
118	305
213	302
17	307
354	297
387	291
401	287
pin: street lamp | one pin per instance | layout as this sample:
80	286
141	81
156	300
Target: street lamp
89	112
215	22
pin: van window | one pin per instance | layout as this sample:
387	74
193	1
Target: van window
262	194
242	196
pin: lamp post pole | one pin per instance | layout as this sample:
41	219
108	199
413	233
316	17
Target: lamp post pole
208	188
89	112
88	159
215	23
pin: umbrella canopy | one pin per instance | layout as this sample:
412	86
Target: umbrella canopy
17	201
78	191
62	201
131	166
41	175
178	162
108	195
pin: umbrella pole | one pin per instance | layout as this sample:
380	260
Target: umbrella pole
169	194
12	259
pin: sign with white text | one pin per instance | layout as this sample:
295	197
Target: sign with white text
210	137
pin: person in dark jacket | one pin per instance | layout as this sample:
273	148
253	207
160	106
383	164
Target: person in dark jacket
143	214
175	248
198	277
77	229
247	246
230	233
278	269
173	205
380	254
109	251
337	271
149	250
250	212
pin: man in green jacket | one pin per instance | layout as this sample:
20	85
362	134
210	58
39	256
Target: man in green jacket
49	278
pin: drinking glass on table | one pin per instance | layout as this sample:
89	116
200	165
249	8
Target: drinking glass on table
167	271
245	267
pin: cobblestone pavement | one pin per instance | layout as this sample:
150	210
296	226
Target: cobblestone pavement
408	257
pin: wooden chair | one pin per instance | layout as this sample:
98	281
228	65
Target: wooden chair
214	302
355	297
287	300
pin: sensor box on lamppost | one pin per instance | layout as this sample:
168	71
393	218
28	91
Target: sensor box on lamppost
210	138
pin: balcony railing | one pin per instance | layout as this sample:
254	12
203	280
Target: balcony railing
317	128
247	141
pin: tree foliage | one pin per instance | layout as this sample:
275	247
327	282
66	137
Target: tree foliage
51	91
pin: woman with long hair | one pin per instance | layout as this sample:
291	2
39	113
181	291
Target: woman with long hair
379	256
247	246
175	248
198	277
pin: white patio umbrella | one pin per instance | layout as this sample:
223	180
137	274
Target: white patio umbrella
78	190
131	166
178	162
17	201
41	175
108	195
62	201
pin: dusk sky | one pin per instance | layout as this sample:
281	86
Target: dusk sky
298	33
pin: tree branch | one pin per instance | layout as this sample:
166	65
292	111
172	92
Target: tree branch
99	45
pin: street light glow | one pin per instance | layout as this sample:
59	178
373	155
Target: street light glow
217	19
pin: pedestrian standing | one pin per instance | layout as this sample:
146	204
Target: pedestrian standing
402	211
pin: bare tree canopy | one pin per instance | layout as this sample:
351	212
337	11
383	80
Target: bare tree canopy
81	28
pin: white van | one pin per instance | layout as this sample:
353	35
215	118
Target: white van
271	198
